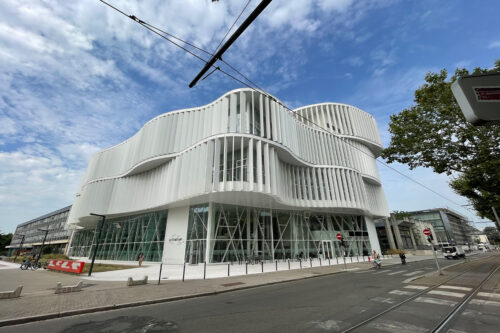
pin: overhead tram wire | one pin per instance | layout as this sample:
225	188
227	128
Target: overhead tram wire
256	88
231	27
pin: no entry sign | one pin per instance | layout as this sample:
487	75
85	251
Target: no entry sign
427	232
339	236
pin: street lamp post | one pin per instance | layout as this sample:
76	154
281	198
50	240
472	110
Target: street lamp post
20	247
97	241
43	243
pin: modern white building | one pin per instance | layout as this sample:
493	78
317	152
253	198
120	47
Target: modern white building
241	178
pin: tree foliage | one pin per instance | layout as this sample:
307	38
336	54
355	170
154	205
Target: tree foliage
493	235
434	134
4	241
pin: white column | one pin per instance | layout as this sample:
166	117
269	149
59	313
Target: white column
211	216
174	247
372	234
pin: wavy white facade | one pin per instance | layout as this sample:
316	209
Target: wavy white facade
243	149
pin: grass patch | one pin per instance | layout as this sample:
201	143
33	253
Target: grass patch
105	267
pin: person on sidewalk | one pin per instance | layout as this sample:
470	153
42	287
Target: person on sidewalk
140	258
402	256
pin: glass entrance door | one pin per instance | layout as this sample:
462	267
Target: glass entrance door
327	249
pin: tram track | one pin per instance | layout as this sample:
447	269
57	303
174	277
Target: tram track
451	314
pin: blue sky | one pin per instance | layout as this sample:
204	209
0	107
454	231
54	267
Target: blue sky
76	77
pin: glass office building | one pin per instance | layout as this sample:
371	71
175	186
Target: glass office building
240	178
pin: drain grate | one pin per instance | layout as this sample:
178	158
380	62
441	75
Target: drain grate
232	284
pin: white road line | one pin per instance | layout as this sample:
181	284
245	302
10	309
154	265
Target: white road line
413	273
396	327
484	302
438	301
380	272
383	300
446	293
491	295
455	287
398	272
401	292
410	286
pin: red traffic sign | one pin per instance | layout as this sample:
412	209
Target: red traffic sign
339	236
427	232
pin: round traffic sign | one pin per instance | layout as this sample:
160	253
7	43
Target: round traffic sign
427	232
339	236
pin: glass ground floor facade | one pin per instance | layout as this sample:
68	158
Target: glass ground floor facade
239	233
222	233
123	238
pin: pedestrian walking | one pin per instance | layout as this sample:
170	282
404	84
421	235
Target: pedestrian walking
140	258
402	256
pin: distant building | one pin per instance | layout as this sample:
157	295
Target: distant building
403	233
451	228
57	237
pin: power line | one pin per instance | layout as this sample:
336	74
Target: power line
256	88
227	33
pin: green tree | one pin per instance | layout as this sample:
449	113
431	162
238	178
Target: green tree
434	134
493	235
4	241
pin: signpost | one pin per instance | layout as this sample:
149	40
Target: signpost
339	237
428	233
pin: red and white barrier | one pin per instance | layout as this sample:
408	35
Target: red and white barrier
66	265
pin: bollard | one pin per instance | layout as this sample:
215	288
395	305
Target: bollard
319	262
159	275
300	262
288	264
276	265
246	268
311	262
329	262
262	265
357	256
337	260
228	269
204	270
183	272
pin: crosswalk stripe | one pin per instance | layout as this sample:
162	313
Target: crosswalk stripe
401	292
446	293
384	300
410	286
412	273
484	302
455	287
398	272
380	272
483	294
432	300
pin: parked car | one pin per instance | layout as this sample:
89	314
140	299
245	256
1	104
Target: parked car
453	252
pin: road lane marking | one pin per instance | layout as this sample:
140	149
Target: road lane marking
432	300
455	287
401	292
413	273
491	295
484	302
411	286
446	293
384	300
380	272
396	327
398	272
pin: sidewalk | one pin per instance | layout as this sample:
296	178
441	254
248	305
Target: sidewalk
39	302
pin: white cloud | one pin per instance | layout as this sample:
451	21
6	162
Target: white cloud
494	44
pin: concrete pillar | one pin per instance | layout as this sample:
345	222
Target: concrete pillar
210	228
174	247
388	231
397	235
372	234
413	239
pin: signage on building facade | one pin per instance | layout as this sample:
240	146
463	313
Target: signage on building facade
66	265
175	239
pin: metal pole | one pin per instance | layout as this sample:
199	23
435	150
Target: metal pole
329	264
343	254
262	265
300	262
204	270
228	269
20	248
246	268
231	40
97	241
276	265
288	264
496	217
311	261
183	271
43	243
435	258
159	275
320	262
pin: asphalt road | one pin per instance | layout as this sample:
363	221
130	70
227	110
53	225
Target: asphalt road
326	303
